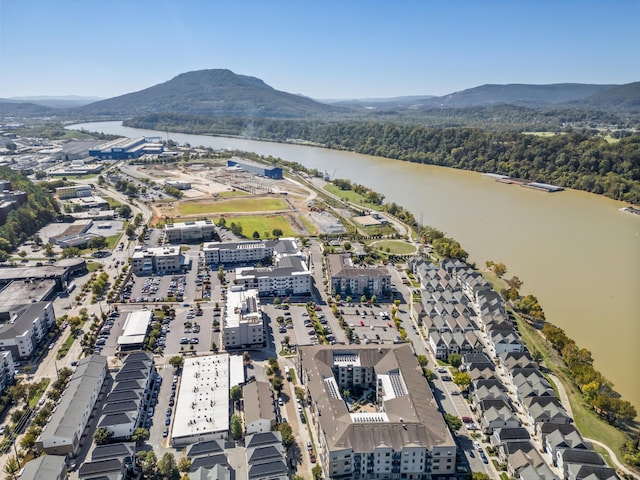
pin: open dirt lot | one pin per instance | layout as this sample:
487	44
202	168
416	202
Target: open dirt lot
217	192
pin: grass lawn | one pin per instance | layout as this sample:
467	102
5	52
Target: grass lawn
396	247
541	134
42	386
112	240
64	349
233	205
232	193
262	224
311	228
113	203
350	196
374	230
93	266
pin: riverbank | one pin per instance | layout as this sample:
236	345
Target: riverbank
587	421
576	238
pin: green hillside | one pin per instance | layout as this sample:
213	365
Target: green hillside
212	92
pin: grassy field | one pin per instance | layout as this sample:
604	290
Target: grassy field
234	205
232	193
396	247
311	228
262	224
541	134
112	240
93	266
113	203
374	230
350	196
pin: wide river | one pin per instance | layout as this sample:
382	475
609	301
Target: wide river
574	250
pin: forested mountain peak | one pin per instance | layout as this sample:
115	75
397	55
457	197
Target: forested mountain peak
212	92
622	97
520	94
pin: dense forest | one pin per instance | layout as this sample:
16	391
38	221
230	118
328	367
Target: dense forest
40	210
574	160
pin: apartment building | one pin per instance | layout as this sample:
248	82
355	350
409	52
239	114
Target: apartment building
193	231
158	261
398	434
243	325
347	279
61	436
24	327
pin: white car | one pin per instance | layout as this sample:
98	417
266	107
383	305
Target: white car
477	446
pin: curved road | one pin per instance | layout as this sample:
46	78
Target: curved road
564	398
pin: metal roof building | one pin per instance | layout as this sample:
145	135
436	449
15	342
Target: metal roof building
202	410
135	330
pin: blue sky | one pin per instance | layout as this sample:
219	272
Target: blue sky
323	49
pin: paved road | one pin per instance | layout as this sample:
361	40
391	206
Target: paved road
564	398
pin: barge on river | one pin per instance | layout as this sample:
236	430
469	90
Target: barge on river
545	187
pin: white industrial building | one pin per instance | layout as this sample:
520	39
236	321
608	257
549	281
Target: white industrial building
61	436
135	330
243	325
179	184
193	231
202	410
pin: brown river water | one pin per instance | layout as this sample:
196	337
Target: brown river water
574	250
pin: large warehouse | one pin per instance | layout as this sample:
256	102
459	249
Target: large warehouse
124	148
257	168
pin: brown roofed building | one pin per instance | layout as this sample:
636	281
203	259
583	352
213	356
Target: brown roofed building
347	279
374	413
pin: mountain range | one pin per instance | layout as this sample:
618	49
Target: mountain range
221	92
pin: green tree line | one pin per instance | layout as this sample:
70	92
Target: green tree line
574	160
39	210
597	390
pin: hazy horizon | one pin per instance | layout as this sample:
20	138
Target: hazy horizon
328	50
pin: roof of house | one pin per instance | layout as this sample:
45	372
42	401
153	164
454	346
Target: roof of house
205	448
217	472
509	434
112	450
262	439
581	456
541	472
590	472
43	468
100	467
258	402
